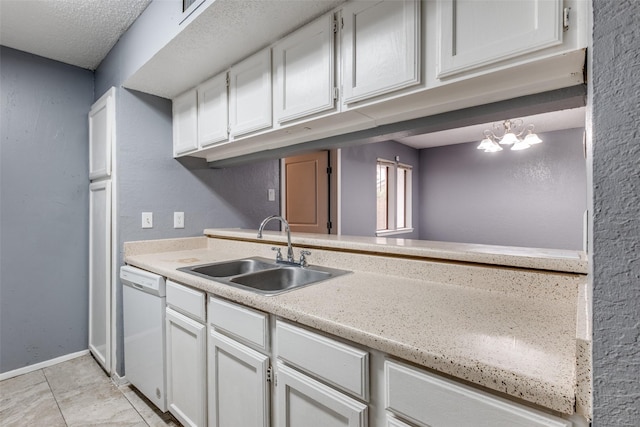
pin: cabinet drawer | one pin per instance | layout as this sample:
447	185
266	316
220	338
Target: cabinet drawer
186	300
343	366
247	325
431	400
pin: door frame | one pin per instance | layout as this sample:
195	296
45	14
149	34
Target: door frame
334	190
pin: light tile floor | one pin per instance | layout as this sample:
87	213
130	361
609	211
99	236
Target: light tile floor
75	393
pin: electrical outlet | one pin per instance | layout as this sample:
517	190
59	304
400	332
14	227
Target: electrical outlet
147	219
178	220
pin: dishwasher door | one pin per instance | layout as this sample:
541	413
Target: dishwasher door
144	333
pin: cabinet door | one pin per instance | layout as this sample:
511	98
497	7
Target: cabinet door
185	123
100	272
394	422
304	402
430	400
238	388
304	81
213	111
101	135
381	47
475	33
250	94
186	379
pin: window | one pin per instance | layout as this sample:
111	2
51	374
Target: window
393	197
188	6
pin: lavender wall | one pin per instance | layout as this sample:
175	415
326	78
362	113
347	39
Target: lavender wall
533	198
44	208
358	185
150	180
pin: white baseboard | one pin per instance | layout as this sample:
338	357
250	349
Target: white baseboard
45	364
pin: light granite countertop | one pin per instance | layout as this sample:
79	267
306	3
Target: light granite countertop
510	256
512	342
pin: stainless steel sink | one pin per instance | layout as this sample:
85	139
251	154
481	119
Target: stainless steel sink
262	275
232	268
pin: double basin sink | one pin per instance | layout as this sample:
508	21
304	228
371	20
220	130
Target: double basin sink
262	275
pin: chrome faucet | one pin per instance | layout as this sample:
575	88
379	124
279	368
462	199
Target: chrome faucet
286	227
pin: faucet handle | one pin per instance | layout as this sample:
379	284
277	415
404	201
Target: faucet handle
303	257
279	254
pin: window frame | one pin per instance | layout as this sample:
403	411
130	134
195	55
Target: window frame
393	189
186	12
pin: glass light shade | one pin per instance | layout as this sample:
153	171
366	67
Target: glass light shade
520	145
509	138
485	144
493	148
532	139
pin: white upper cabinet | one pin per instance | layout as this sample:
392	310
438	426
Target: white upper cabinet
250	94
381	47
475	33
213	111
185	123
101	135
304	71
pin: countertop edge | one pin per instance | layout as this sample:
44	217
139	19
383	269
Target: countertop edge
566	261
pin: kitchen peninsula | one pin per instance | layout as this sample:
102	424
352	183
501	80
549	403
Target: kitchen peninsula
509	322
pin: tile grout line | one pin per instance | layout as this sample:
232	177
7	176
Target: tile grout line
54	397
133	406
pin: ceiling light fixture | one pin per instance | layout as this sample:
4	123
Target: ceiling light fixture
510	132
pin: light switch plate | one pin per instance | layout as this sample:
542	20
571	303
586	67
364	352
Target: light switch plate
178	220
147	219
272	195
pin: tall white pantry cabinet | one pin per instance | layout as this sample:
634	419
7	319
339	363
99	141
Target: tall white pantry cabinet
102	229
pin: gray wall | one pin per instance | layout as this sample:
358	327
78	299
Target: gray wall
615	249
531	198
150	180
44	209
358	186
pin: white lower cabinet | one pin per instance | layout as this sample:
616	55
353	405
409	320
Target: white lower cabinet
238	387
305	402
313	375
186	357
433	401
394	422
318	381
238	368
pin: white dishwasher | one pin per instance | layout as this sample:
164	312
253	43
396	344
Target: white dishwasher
144	296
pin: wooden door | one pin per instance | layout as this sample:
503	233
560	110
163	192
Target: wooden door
238	387
186	365
307	192
305	402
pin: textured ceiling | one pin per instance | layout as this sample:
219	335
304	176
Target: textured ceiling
76	32
223	33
